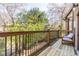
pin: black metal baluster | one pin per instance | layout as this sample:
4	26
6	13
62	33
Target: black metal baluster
19	46
5	46
16	46
22	44
26	45
11	45
35	42
30	43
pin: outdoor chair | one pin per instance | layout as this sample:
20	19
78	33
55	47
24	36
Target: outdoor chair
68	39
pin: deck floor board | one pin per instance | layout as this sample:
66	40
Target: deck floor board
59	49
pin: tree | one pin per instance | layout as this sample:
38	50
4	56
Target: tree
22	17
33	18
55	13
11	8
4	23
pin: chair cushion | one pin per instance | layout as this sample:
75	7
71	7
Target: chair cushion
67	39
70	35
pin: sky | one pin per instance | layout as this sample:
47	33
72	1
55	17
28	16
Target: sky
1	8
41	6
28	6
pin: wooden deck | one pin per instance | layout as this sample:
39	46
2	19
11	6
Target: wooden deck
58	49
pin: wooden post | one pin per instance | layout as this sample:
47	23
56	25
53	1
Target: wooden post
73	29
73	21
48	36
67	25
58	33
78	31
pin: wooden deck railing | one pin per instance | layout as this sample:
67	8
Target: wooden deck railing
25	43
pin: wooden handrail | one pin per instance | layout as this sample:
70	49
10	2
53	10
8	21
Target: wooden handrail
27	40
2	34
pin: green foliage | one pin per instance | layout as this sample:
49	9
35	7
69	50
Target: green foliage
31	20
36	16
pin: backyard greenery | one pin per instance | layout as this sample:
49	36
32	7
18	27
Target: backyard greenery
31	20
